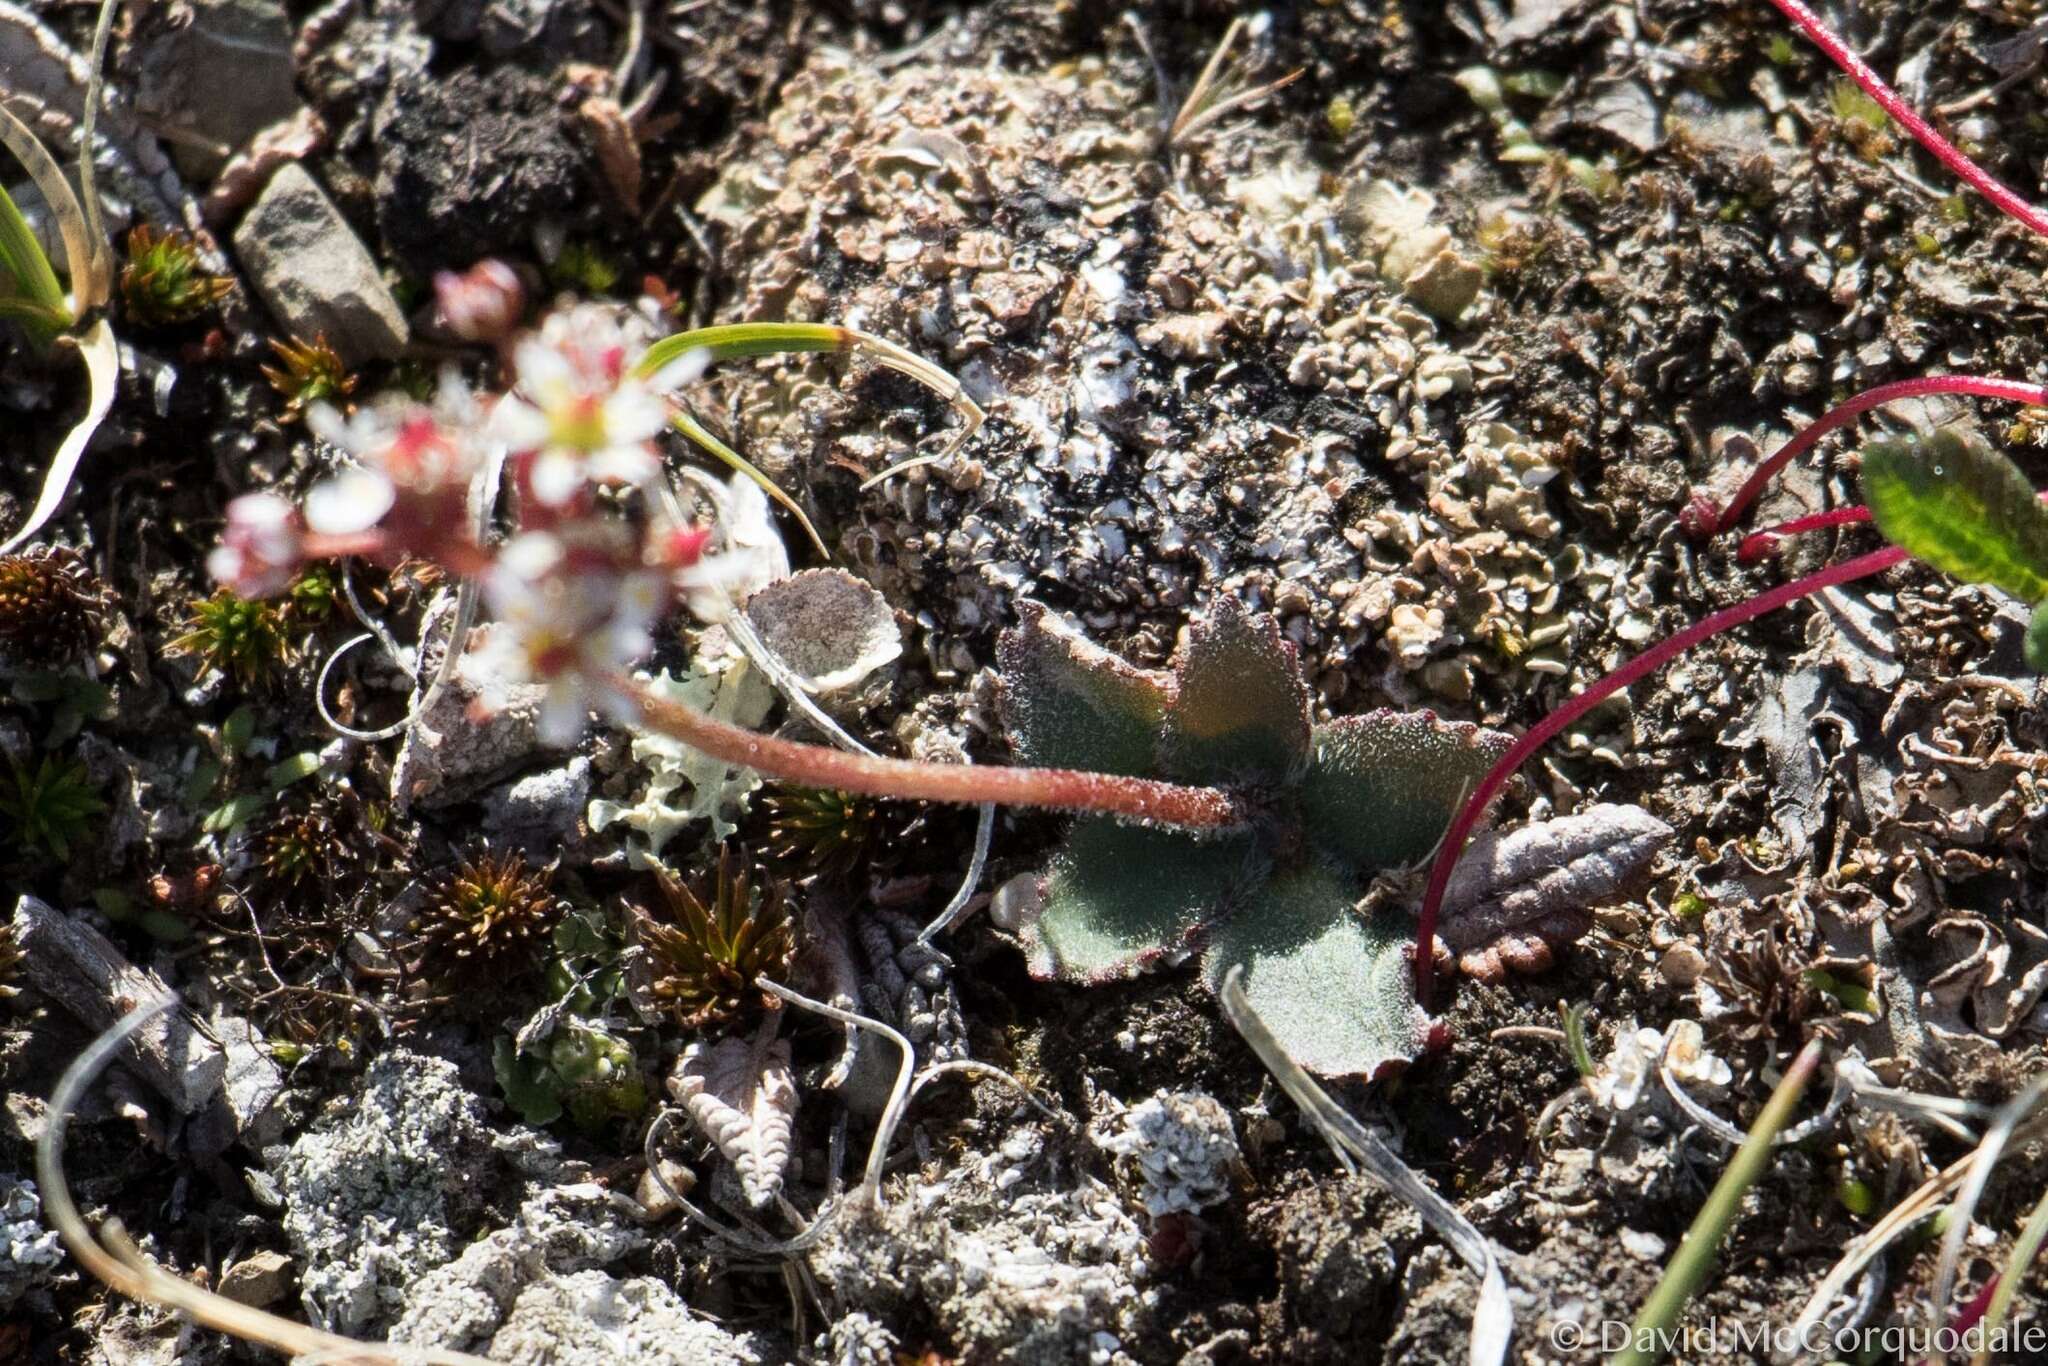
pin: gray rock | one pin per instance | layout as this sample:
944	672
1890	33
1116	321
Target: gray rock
314	272
253	1083
450	754
541	813
259	1280
218	70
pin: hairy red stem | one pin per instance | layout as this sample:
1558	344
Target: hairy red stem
1758	544
1199	808
1550	726
1875	86
1704	520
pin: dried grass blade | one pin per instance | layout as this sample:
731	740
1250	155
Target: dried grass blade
1493	1319
102	368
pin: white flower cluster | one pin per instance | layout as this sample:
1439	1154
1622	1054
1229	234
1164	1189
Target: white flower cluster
579	587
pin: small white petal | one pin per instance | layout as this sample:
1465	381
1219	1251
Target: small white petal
624	465
564	712
687	368
518	425
352	501
556	476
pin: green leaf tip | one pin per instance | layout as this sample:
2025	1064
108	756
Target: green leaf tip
1335	987
1382	787
1120	897
1069	703
1241	709
1951	500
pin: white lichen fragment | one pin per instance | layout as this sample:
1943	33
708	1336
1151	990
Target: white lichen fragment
1631	1065
29	1252
369	1191
684	785
1181	1148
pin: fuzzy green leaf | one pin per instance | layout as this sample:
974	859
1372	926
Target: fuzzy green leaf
1119	896
1962	507
1069	703
1336	989
1384	786
1242	709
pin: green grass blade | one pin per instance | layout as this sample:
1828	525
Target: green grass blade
1962	507
23	259
43	169
697	432
731	341
1656	1323
735	341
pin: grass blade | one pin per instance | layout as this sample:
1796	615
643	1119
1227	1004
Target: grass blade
2023	1252
43	169
1695	1256
689	426
1493	1318
22	258
735	341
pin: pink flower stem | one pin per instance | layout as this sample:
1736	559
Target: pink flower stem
1197	808
1758	544
1552	725
1973	175
1705	520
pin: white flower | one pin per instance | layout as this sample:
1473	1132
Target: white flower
261	547
567	616
413	465
354	500
579	410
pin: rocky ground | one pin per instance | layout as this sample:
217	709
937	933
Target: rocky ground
1422	352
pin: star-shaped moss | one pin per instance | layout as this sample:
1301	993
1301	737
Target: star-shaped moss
1335	804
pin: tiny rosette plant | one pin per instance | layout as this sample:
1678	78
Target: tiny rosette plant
1333	805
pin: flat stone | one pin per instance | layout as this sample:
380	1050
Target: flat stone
217	70
260	1280
314	272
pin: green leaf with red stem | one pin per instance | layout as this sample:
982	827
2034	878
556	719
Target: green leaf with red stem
1551	726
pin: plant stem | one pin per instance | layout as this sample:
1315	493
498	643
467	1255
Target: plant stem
1704	520
1550	726
1195	808
1695	1256
1758	544
1874	85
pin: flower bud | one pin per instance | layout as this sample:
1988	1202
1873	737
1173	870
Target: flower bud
483	303
261	549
